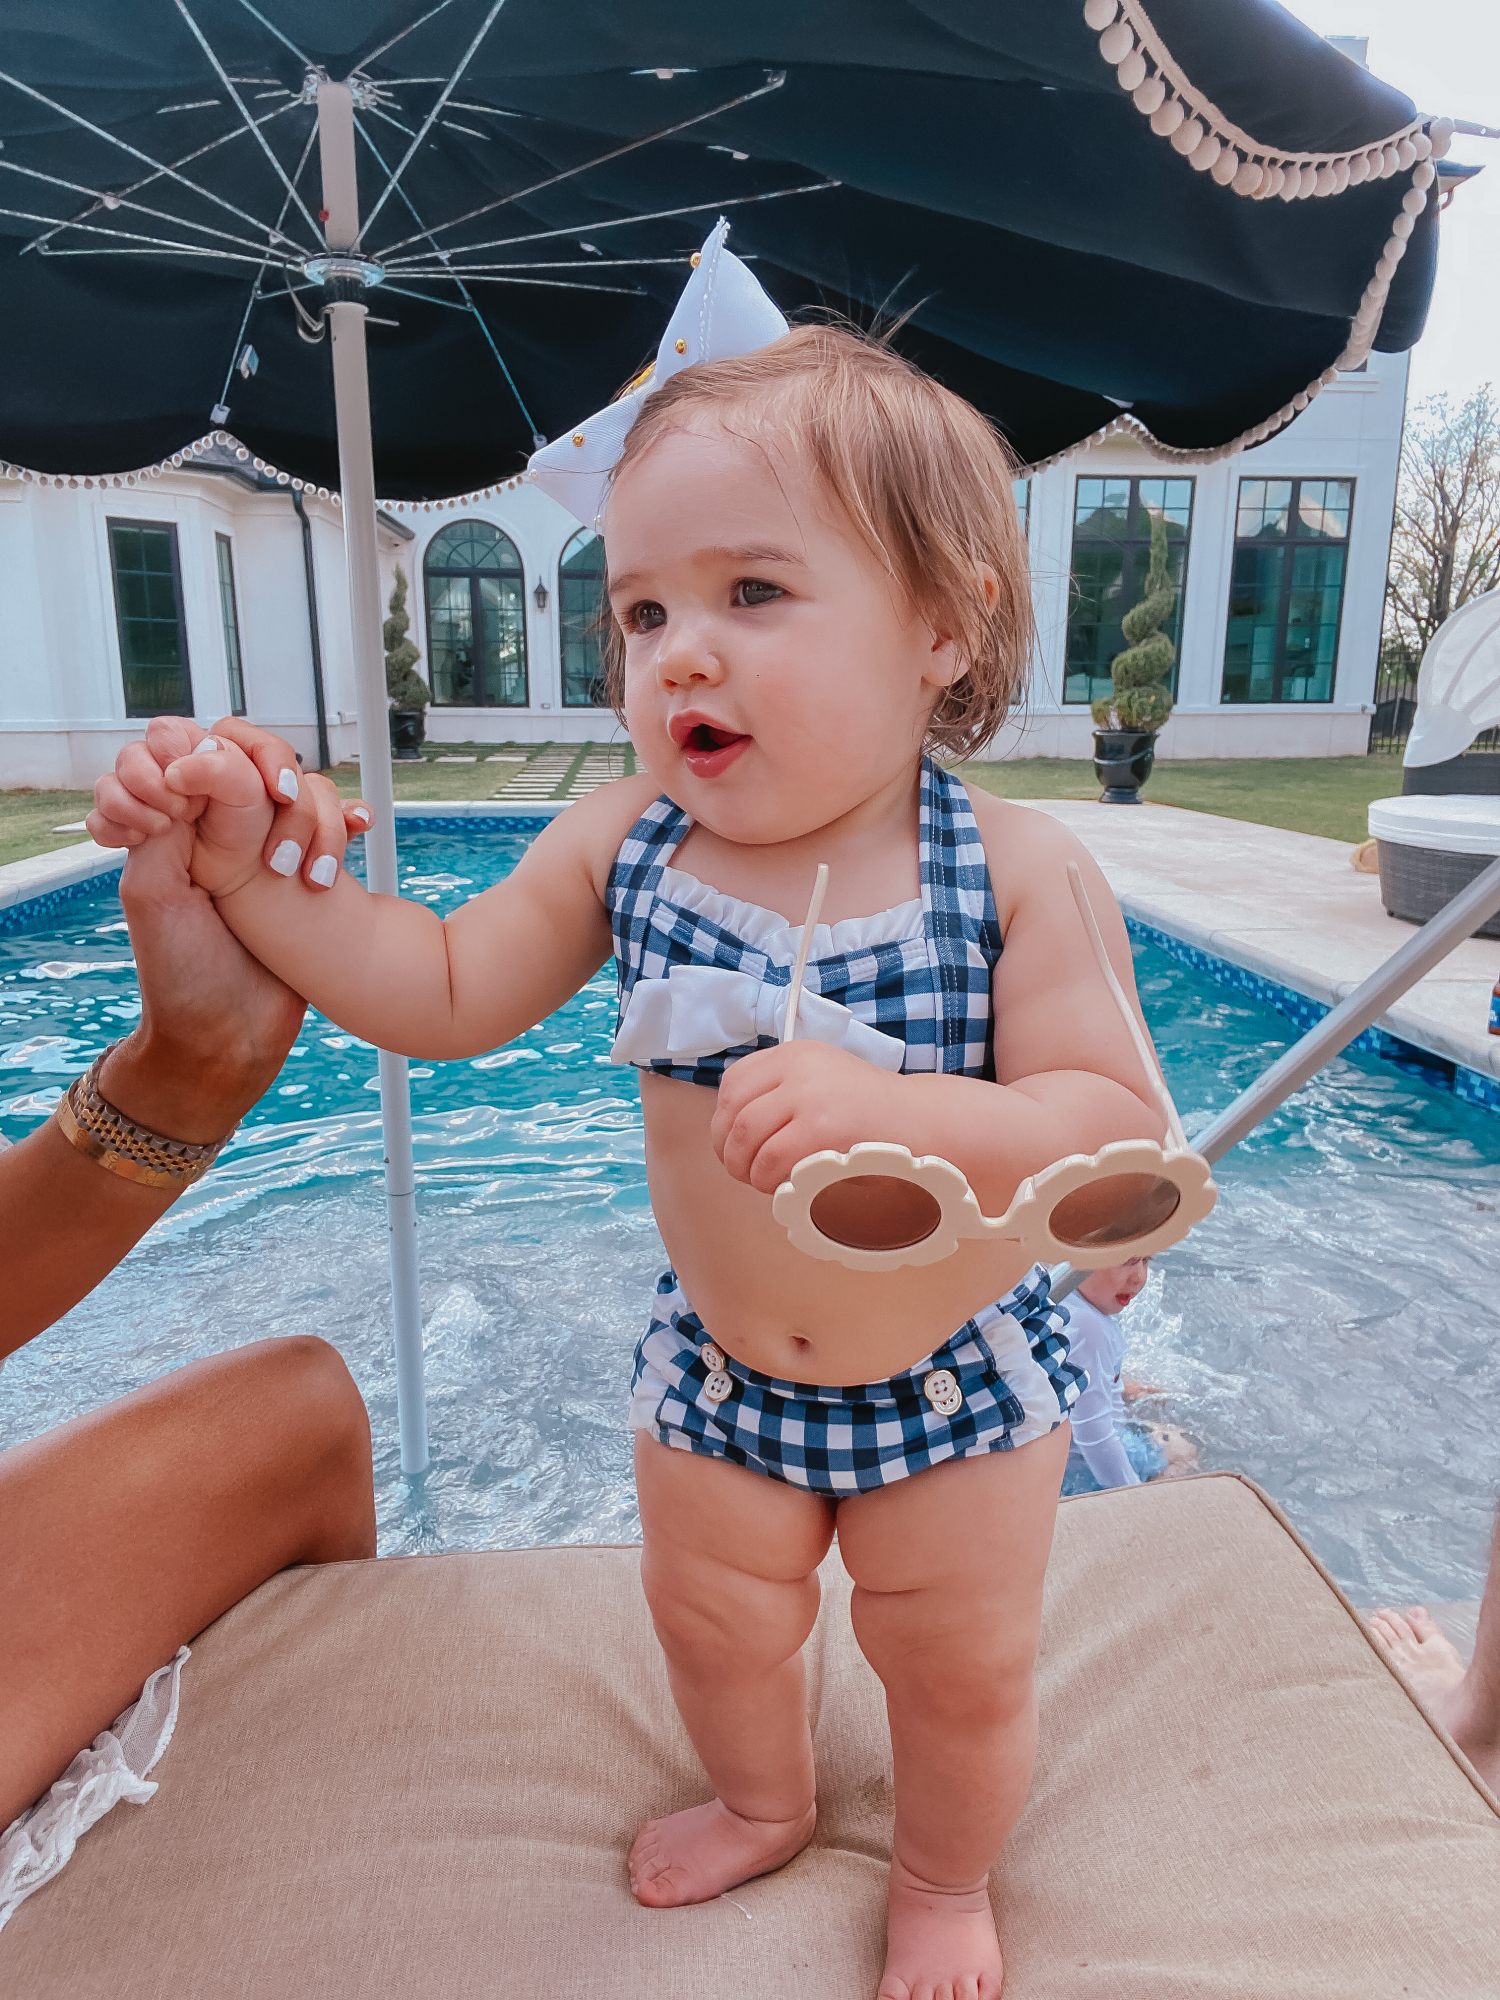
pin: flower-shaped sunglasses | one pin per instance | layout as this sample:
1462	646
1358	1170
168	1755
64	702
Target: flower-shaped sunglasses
878	1207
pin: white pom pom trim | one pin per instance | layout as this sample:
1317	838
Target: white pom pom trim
1363	328
1130	44
181	461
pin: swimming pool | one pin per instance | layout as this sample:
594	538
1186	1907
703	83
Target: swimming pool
1328	1330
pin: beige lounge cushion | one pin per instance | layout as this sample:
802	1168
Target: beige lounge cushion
420	1777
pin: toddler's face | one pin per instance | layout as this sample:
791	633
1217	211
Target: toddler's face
774	678
1112	1289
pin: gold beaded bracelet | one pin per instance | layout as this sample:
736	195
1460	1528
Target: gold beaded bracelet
111	1141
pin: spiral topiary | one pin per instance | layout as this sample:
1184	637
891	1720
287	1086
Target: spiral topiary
1142	699
405	687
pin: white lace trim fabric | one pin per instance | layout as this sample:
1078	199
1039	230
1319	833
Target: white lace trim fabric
39	1845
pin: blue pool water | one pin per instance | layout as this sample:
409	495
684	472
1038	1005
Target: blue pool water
1329	1330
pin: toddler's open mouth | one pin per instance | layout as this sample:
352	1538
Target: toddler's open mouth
707	747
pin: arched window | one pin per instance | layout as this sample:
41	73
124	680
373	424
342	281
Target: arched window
476	617
580	586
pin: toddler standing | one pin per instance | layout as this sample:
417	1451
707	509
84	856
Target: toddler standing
816	580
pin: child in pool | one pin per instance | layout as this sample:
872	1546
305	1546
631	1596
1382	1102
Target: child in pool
816	573
1105	1450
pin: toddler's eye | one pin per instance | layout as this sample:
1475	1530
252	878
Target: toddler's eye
753	590
646	617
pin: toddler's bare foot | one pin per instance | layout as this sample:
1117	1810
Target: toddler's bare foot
693	1856
940	1943
1424	1653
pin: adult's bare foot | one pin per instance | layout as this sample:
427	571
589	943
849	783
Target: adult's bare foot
1426	1657
940	1943
693	1856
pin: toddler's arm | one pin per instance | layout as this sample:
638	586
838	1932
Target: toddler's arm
389	970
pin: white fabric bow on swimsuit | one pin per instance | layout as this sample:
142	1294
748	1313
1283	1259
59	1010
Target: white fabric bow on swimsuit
722	312
701	1010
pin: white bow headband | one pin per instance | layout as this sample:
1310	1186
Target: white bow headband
722	312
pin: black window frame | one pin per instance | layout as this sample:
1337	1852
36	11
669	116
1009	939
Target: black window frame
476	615
168	528
1294	539
565	619
229	614
1135	545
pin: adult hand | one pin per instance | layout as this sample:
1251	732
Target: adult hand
141	797
215	1025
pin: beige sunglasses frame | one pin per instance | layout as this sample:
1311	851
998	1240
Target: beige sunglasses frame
1027	1220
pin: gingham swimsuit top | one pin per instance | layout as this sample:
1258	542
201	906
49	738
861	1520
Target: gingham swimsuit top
704	979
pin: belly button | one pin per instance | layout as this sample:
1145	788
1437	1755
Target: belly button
800	1342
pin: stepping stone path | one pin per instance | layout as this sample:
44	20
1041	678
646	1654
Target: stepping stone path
567	771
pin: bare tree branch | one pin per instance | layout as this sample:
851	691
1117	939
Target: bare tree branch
1446	544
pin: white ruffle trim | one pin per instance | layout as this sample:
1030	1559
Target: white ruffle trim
39	1845
769	932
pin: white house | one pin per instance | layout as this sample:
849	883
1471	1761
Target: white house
198	587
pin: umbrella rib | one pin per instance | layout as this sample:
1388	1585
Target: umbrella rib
411	28
376	110
113	139
198	152
134	236
121	201
255	291
158	246
431	119
411	209
634	145
285	40
553	284
624	221
562	264
250	125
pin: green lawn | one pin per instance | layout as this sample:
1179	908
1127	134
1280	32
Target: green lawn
1326	795
27	820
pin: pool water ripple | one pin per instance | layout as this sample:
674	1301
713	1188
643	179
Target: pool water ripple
1329	1330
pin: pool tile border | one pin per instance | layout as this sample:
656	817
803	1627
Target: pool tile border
1470	1086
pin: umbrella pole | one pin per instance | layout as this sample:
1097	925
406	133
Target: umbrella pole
351	389
351	393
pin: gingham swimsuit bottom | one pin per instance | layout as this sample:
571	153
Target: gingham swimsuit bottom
703	981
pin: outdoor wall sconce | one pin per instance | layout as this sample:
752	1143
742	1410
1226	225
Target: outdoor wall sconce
540	595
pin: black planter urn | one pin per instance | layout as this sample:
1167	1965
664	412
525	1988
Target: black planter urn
1122	764
408	732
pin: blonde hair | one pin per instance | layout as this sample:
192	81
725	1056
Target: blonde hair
923	478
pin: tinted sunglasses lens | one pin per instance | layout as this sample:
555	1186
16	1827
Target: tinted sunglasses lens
1105	1212
875	1212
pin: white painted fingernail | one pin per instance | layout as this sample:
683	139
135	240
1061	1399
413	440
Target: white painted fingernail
286	782
287	859
324	871
208	743
358	812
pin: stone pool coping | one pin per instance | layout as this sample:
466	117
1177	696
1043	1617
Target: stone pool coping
1284	918
1280	916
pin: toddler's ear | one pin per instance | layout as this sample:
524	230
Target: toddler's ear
169	737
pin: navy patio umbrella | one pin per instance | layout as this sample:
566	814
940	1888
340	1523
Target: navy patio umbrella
1177	223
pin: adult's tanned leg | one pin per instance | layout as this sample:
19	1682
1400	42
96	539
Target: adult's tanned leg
127	1531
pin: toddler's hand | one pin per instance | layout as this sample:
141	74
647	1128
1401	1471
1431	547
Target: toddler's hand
781	1104
182	775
